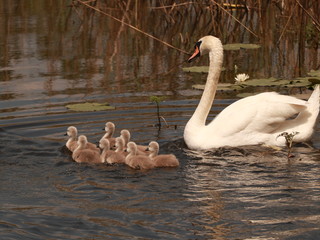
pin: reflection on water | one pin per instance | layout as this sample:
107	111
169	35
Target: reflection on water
53	54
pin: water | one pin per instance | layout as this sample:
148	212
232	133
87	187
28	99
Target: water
228	193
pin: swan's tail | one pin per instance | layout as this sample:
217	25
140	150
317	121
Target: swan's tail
307	118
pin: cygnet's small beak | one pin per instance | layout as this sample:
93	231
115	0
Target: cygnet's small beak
66	134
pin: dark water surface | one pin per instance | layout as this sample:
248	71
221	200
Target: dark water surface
47	61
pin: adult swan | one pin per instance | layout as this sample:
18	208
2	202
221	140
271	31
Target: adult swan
253	120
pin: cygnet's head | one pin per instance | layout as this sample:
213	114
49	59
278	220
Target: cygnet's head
205	45
125	134
131	147
119	142
72	131
82	140
104	144
109	127
153	147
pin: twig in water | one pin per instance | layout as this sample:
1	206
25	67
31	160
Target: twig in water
157	100
289	140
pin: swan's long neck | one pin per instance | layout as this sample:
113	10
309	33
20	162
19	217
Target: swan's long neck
200	115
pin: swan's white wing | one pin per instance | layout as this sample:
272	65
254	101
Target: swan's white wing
260	113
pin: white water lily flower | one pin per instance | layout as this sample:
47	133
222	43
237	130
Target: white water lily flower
241	77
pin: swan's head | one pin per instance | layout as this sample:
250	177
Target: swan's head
205	45
104	144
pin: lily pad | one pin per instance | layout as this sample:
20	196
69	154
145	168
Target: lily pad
197	69
221	87
271	82
89	107
238	46
314	73
245	94
314	81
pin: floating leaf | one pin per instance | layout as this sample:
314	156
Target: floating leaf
314	81
264	82
314	73
197	69
88	107
198	86
246	94
238	46
221	86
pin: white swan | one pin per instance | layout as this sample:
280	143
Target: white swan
136	161
163	160
83	154
253	120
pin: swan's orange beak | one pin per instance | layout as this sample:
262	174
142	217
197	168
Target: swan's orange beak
195	54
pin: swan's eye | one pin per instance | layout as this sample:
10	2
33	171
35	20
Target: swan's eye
198	44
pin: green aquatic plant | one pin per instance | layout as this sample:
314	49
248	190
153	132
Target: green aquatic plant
89	107
289	140
157	101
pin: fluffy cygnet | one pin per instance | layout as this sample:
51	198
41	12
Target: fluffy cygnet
104	144
137	161
125	135
72	142
110	129
163	160
82	154
118	156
